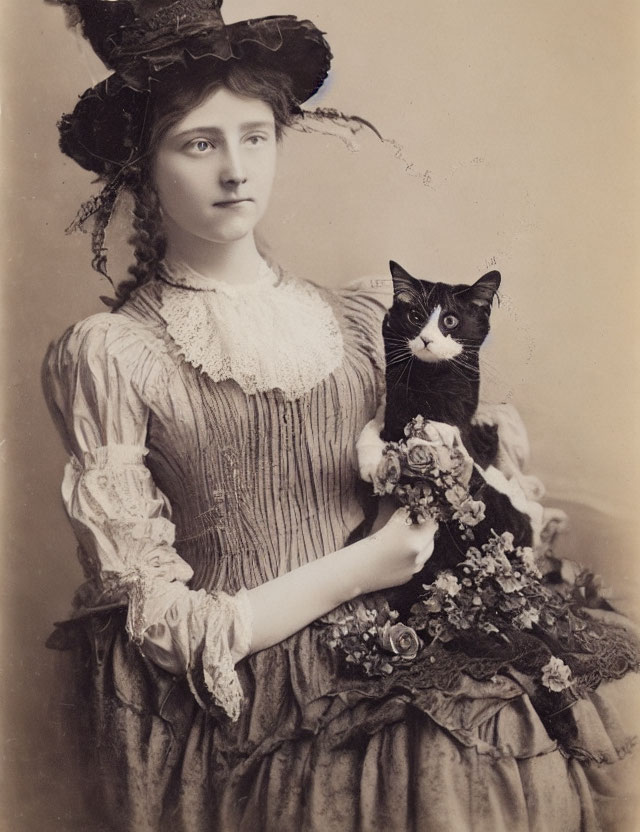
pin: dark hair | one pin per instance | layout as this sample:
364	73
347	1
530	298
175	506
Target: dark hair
181	92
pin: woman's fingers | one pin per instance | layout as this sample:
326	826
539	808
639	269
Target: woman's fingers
406	547
426	534
425	528
423	556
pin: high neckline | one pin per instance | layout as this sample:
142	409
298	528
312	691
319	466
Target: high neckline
275	333
180	275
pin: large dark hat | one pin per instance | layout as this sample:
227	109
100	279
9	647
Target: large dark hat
141	40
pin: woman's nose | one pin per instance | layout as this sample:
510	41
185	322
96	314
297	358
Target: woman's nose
233	172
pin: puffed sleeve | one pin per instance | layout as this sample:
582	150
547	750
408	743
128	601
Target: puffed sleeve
364	303
373	293
92	380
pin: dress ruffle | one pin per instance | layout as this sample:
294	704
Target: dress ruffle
351	748
223	329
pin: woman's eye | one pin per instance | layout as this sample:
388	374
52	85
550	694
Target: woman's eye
450	321
201	145
255	140
414	316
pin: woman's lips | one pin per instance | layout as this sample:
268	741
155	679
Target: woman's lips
231	203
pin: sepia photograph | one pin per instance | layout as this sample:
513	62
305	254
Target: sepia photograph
321	394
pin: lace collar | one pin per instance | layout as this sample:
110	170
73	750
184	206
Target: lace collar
273	333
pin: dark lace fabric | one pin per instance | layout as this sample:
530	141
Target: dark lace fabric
259	484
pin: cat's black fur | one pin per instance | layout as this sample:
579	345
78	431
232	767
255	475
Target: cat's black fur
445	391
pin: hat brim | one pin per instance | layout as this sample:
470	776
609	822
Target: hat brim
103	132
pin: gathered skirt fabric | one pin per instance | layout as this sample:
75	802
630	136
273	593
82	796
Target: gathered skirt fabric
320	756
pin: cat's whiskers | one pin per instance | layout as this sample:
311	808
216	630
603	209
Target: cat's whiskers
407	369
483	361
465	371
425	305
401	342
458	371
395	339
399	360
465	361
392	361
488	373
397	354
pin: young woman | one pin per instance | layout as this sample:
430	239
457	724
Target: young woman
211	422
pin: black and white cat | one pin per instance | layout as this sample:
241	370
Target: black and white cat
432	338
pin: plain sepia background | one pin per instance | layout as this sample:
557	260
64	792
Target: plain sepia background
512	130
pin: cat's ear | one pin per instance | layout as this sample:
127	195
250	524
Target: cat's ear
405	287
483	291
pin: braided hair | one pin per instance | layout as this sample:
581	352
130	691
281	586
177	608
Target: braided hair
148	240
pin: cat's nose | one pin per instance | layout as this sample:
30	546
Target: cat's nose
425	341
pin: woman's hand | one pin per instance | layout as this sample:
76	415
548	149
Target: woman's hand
396	551
387	558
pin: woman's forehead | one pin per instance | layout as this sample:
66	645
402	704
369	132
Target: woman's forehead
225	110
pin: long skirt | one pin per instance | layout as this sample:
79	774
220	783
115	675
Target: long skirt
311	755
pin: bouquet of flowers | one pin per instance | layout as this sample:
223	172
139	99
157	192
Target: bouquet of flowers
494	607
429	473
496	590
493	587
371	637
493	603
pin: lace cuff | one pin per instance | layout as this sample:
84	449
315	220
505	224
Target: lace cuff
203	635
227	638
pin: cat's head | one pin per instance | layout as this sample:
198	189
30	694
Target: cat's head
436	321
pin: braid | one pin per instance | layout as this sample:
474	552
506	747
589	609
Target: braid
101	218
148	240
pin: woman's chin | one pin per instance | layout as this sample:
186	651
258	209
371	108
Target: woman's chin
230	233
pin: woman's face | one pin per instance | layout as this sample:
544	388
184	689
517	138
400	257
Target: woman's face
214	169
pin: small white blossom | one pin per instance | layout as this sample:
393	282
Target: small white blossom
448	583
556	676
527	618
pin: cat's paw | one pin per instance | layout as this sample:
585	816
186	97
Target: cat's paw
370	450
485	415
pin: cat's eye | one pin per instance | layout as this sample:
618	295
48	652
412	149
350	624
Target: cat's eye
450	322
414	315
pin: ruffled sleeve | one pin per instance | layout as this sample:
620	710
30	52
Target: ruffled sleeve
363	304
94	379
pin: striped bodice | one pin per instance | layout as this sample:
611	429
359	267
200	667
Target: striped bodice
259	483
